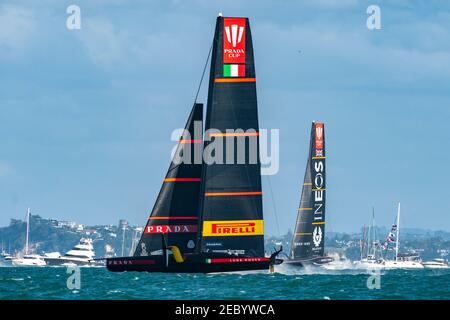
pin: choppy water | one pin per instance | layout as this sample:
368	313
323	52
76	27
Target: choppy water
98	283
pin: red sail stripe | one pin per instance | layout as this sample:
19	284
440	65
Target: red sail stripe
250	193
182	180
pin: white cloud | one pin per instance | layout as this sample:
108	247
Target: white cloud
5	169
102	42
347	54
16	30
331	4
142	47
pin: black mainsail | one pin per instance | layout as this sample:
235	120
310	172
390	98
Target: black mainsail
176	210
309	235
232	212
208	216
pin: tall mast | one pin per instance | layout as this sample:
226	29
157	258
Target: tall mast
123	239
28	231
362	242
373	231
397	240
369	230
133	235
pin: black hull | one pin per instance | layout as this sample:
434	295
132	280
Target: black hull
193	265
315	262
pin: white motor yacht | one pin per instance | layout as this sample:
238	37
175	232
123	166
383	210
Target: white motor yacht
6	259
436	264
81	254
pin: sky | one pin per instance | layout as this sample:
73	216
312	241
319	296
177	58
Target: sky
86	115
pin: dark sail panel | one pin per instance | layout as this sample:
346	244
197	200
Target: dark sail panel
309	234
176	210
232	210
208	216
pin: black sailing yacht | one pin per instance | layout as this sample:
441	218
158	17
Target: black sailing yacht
309	236
208	217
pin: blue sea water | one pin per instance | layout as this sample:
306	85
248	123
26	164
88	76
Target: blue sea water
98	283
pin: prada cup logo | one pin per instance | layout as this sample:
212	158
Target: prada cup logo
319	132
317	236
319	135
235	36
234	40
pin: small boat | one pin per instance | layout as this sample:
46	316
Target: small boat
369	263
5	257
410	260
82	254
28	260
370	249
438	263
308	242
6	260
208	216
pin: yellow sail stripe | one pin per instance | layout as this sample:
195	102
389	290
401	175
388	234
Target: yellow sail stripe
321	222
307	184
303	234
318	158
318	189
304	209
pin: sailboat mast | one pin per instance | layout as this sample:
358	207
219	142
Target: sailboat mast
369	230
397	240
362	242
123	240
28	231
373	232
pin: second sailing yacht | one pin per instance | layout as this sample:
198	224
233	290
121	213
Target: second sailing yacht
308	242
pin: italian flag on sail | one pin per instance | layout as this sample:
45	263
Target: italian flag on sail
234	70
